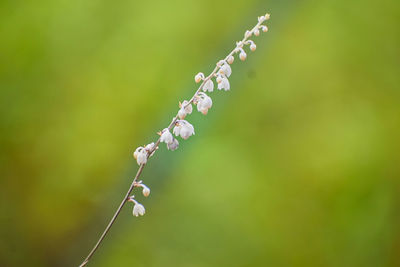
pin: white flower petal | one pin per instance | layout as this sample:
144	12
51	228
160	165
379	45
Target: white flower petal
166	136
138	209
208	86
173	145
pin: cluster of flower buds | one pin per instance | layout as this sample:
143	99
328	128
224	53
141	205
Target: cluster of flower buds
182	127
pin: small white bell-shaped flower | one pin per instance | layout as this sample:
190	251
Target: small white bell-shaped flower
223	83
138	209
150	149
199	76
173	145
140	155
185	108
181	113
208	86
166	136
204	103
226	70
184	129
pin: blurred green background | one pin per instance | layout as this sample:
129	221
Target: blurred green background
298	165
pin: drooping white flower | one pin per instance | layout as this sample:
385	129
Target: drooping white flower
185	108
242	55
223	83
140	155
264	28
181	113
252	45
183	129
230	59
204	103
166	136
138	209
247	34
199	76
150	148
145	191
226	70
256	32
208	86
177	129
173	145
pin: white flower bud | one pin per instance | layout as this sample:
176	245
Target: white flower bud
256	32
264	28
138	209
146	190
142	157
242	55
199	76
247	34
226	70
261	19
267	16
252	45
230	59
173	145
166	136
208	86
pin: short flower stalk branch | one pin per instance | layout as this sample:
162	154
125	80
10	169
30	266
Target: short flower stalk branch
181	127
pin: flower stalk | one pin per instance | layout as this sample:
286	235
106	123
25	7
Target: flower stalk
180	126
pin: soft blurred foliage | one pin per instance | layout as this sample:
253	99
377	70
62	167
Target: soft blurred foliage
298	165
